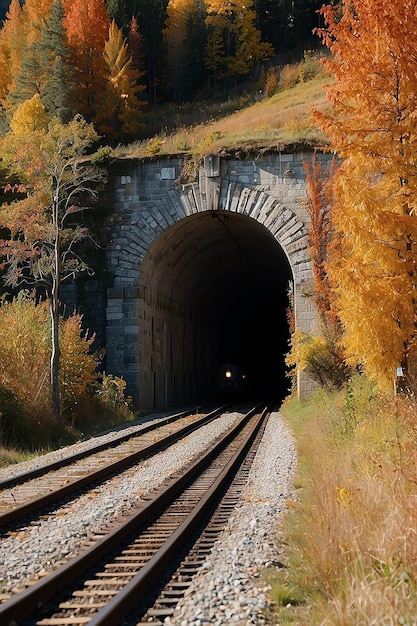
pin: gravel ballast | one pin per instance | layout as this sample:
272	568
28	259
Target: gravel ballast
228	589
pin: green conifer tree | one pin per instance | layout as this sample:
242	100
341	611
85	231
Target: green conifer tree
57	89
31	76
118	12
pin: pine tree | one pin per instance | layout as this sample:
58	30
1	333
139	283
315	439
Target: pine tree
31	75
117	11
35	13
372	127
152	15
44	67
58	87
195	44
174	40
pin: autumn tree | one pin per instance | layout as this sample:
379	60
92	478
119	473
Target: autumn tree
120	112
136	46
87	26
30	116
319	203
12	41
323	250
57	185
234	43
372	128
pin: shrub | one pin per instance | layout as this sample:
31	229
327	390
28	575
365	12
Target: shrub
289	76
271	81
78	365
25	358
154	146
318	356
25	353
103	156
111	392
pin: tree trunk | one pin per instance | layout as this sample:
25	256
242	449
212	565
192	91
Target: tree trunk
54	311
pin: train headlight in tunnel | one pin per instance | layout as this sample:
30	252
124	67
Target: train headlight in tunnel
228	374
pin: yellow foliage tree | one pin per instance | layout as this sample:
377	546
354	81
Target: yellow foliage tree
121	111
234	43
29	116
372	127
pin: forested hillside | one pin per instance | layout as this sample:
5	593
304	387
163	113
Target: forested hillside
112	60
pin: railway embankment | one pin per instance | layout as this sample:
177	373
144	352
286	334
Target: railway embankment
229	588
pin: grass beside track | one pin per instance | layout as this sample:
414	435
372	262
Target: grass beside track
349	535
57	435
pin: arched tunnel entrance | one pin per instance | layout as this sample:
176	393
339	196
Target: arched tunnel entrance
213	289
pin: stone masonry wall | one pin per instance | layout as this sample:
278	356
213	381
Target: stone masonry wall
148	200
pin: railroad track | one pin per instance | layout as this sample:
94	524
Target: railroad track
27	493
144	564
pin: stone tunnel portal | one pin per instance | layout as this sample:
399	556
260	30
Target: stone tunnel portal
213	288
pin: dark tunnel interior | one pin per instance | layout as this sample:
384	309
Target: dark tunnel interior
231	269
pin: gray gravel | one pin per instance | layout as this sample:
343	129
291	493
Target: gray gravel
228	589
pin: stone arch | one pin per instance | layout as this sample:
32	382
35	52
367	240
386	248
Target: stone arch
149	204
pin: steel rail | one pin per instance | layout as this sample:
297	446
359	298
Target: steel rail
125	601
23	477
28	601
43	501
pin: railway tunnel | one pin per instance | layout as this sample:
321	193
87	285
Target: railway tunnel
213	288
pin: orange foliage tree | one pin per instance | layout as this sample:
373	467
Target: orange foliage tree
321	353
372	128
318	205
87	26
12	41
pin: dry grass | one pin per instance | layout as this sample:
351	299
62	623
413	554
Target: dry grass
281	119
352	538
